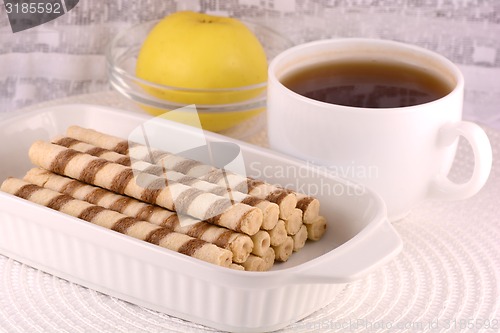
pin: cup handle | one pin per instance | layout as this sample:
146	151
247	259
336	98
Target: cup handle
442	187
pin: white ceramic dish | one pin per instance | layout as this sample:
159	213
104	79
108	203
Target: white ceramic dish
359	238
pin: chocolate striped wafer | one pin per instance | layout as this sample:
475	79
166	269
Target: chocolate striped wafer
237	267
93	150
120	179
270	211
316	229
285	199
300	238
294	222
261	242
239	244
284	250
109	219
309	206
278	234
269	257
254	263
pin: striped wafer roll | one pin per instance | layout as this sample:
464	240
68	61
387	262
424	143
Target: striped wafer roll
120	179
284	250
270	211
237	267
269	257
278	233
142	230
90	149
98	139
309	206
286	200
294	222
300	238
239	244
261	242
316	229
254	263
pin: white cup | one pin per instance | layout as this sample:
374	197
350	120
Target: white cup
402	153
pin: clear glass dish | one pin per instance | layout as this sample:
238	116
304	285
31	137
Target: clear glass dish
239	119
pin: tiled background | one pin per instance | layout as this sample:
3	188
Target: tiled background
66	56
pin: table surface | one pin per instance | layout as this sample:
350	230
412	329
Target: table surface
447	278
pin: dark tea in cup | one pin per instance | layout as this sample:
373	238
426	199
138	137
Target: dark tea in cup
367	83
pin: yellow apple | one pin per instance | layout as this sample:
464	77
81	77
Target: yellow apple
199	52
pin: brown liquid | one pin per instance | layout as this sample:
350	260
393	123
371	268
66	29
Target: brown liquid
367	84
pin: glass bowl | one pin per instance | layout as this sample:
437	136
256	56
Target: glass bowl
121	58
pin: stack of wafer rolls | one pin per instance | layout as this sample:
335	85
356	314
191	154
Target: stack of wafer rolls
239	244
270	211
298	212
133	227
181	204
155	190
293	222
285	199
105	144
309	205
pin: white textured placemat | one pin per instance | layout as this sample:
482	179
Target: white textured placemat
447	277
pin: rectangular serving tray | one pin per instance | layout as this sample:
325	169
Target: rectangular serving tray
359	237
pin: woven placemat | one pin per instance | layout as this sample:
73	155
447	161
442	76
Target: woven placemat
447	278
